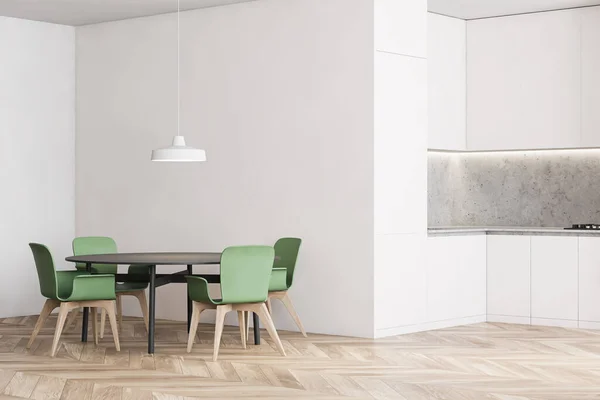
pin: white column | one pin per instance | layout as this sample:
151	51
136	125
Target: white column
400	165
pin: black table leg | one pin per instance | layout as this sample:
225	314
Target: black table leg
256	329
151	308
189	301
86	312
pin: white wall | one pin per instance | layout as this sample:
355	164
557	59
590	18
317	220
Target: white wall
37	154
400	183
280	94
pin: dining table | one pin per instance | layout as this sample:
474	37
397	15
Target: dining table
155	279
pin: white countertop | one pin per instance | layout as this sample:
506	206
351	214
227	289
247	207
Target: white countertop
506	230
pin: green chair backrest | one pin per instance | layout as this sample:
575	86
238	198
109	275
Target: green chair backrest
286	251
83	246
245	273
45	270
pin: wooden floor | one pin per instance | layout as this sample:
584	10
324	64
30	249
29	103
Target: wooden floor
484	361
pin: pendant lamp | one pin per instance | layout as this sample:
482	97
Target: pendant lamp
178	151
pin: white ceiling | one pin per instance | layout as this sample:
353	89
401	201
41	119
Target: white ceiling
83	12
473	9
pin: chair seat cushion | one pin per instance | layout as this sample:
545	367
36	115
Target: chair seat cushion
215	302
129	286
278	280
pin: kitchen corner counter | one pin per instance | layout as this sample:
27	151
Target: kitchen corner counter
507	230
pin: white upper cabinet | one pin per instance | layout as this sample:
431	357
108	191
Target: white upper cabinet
447	82
401	27
590	70
523	81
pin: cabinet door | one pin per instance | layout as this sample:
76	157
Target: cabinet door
589	279
471	273
400	144
455	277
447	68
442	280
400	281
523	81
508	276
401	27
554	280
590	65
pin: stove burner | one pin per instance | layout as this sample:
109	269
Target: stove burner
586	227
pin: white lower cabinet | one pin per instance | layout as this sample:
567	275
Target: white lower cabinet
554	280
589	280
455	277
508	278
537	280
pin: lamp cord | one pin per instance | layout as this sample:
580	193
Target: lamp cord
178	72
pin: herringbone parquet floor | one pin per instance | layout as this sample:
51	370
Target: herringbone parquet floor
483	361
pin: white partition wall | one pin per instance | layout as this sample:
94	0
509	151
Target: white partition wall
37	154
280	95
314	118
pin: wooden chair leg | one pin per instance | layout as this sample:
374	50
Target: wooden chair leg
242	323
49	305
62	317
141	296
263	314
247	318
109	306
219	323
120	312
269	305
102	322
287	302
196	310
72	319
94	315
202	307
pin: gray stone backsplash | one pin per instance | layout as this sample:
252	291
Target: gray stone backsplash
530	188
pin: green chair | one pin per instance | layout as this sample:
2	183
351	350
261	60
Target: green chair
70	290
245	272
286	253
105	245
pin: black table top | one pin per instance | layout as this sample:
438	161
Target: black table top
149	258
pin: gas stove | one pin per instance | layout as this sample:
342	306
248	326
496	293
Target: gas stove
585	227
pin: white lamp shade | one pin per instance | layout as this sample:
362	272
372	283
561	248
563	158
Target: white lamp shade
179	152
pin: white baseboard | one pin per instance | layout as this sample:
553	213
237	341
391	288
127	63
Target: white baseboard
433	325
589	325
509	319
562	323
428	326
